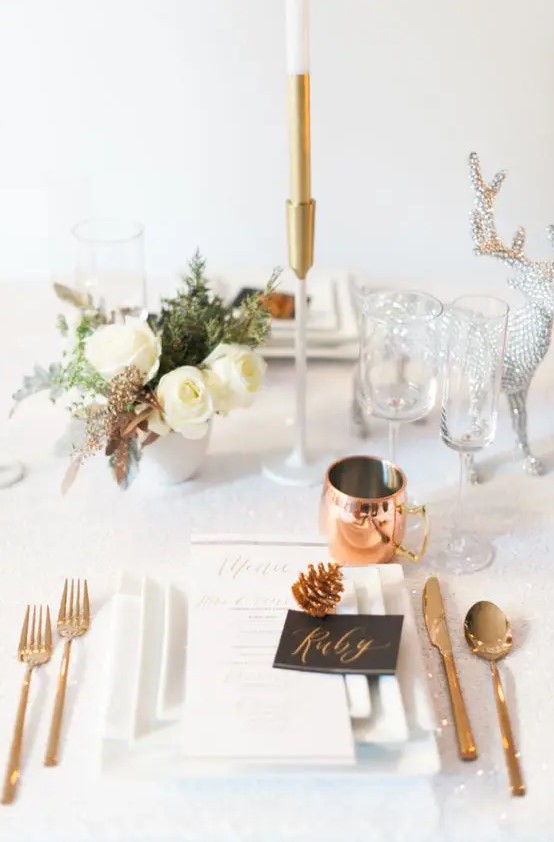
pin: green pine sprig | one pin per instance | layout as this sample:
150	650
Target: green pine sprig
196	320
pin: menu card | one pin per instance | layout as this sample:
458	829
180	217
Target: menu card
237	706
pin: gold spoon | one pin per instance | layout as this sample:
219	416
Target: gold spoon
489	636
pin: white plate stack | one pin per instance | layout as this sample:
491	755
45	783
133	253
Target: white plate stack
392	716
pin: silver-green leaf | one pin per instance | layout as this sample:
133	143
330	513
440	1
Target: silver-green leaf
41	380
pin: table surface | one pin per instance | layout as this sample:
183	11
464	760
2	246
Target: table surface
96	530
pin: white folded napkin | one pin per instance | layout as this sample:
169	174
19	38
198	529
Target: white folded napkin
124	662
147	659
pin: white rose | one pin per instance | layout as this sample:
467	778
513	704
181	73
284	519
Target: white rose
112	348
186	403
239	373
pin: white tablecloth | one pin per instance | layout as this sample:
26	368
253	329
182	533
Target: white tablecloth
97	530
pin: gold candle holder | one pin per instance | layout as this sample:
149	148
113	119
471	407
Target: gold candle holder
300	206
295	468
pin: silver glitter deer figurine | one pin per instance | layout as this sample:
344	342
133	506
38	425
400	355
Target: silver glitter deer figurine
529	327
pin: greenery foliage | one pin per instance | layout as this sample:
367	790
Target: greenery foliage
76	373
190	326
196	320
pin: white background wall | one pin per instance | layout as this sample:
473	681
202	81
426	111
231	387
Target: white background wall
173	112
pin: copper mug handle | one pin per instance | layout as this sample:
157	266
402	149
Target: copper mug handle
404	552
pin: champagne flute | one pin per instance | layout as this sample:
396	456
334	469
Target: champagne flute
472	377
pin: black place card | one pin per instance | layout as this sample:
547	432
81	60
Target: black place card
340	643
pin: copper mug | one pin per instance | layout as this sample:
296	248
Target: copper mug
363	512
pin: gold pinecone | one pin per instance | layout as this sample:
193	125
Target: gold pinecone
319	590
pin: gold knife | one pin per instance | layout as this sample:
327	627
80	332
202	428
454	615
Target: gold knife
435	620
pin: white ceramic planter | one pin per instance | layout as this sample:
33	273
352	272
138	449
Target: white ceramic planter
173	459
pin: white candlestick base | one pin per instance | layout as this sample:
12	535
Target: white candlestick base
286	469
11	473
295	467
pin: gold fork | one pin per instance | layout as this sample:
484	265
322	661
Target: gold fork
35	648
73	621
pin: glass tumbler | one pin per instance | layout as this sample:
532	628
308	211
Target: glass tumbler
109	264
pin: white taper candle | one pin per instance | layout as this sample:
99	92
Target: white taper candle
297	16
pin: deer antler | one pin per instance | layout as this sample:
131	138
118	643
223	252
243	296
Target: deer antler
483	228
